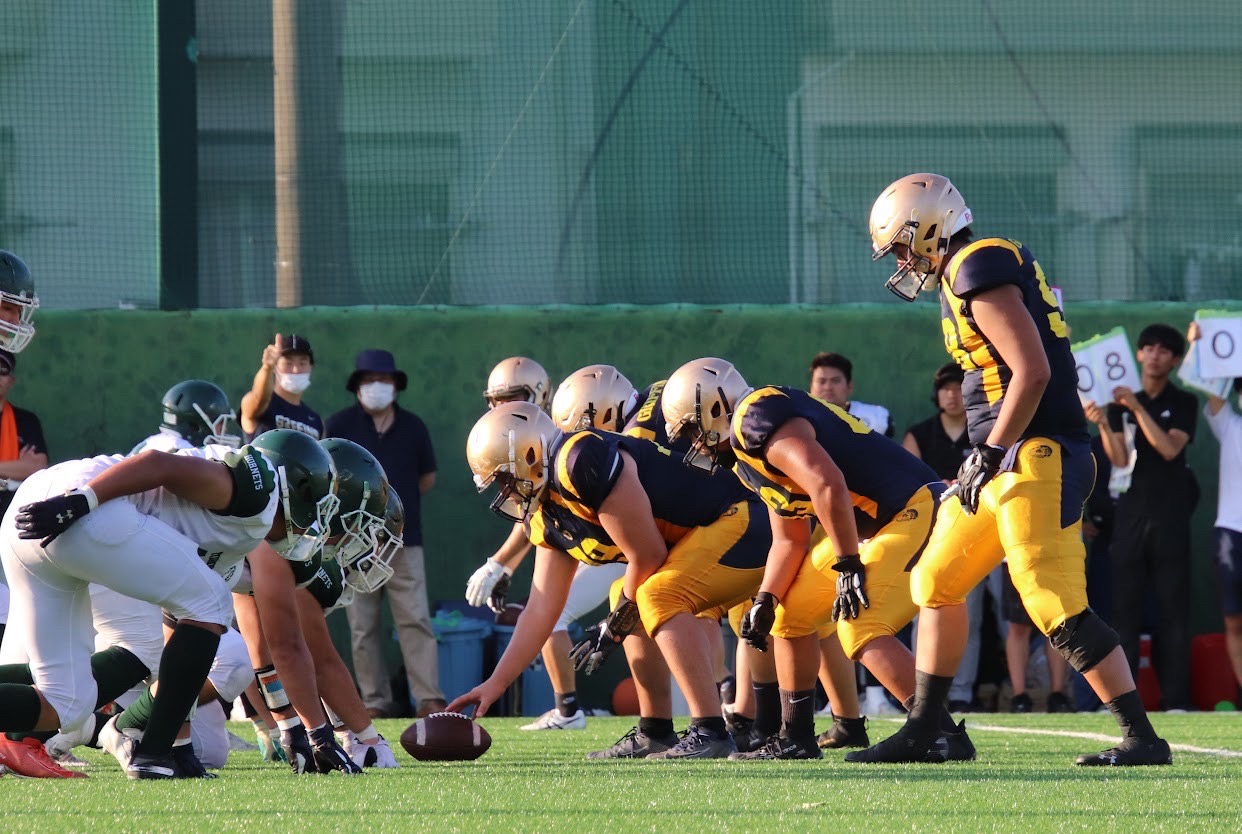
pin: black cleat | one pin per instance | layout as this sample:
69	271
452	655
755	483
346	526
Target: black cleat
779	747
1057	702
151	766
636	745
952	747
903	746
1132	752
1021	703
844	732
188	765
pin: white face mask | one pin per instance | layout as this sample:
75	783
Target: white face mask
376	395
293	383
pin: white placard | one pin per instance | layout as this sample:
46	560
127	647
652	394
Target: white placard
1220	345
1188	375
1105	362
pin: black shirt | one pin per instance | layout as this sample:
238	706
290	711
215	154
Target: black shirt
29	433
1159	484
404	451
939	451
282	414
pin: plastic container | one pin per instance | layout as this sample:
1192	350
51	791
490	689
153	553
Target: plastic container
1211	675
531	694
462	641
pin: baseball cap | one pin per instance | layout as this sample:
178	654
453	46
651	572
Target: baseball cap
8	363
293	343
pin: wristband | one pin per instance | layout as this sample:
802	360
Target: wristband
92	500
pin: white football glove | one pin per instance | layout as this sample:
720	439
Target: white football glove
368	755
482	587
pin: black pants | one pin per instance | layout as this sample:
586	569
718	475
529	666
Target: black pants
1151	553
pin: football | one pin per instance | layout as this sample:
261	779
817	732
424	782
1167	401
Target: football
445	737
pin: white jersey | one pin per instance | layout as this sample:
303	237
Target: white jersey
165	440
1227	426
876	417
223	538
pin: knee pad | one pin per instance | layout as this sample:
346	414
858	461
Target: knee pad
1084	640
230	672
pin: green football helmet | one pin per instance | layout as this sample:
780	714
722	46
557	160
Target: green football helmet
373	568
198	411
363	489
308	488
17	290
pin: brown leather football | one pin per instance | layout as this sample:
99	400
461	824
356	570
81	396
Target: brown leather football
445	737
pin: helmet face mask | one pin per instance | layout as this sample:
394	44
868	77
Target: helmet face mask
914	219
17	290
508	448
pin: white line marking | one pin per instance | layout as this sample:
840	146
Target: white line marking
1181	748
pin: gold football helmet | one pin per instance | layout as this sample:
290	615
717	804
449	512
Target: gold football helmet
594	397
509	447
916	215
700	398
518	379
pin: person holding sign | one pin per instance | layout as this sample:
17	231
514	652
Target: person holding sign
1151	538
1226	424
1030	469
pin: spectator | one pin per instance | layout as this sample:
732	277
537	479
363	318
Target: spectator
832	380
400	441
274	400
1226	424
22	448
943	443
1151	534
1018	654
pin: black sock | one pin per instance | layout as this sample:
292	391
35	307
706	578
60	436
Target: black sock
16	673
184	665
248	708
136	715
798	713
1130	715
931	692
116	671
656	727
947	724
19	707
567	703
767	708
714	724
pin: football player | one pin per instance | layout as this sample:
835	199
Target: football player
808	459
1021	490
690	540
165	528
18	303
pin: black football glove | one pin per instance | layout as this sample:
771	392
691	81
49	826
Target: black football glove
851	596
496	601
298	751
50	517
757	624
330	756
603	638
980	466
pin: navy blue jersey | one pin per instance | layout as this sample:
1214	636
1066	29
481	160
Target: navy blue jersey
880	474
583	469
282	414
647	421
985	265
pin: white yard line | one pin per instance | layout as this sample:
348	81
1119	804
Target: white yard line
1181	748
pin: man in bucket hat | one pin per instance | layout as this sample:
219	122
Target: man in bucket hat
400	441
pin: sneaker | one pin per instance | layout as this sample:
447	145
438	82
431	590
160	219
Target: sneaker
68	759
953	747
1021	703
745	735
151	766
1057	702
553	720
1132	752
120	743
29	758
187	763
779	747
844	732
698	743
635	745
903	746
877	702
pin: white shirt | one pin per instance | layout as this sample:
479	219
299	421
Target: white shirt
1227	426
876	417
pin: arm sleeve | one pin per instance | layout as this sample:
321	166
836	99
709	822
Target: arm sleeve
254	479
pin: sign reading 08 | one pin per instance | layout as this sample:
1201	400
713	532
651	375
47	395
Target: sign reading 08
1103	363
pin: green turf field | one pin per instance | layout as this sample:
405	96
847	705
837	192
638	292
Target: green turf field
1023	781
